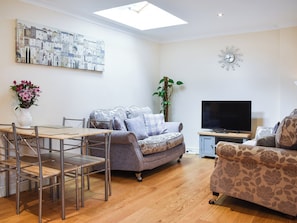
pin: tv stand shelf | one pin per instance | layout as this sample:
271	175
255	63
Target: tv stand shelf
208	141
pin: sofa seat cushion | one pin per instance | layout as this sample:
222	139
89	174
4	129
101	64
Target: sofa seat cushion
160	143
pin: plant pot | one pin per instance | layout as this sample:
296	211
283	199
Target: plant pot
24	117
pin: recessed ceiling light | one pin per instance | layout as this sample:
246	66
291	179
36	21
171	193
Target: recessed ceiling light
220	14
141	15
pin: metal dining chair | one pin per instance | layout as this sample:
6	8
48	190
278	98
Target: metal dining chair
7	157
82	159
43	172
99	146
8	162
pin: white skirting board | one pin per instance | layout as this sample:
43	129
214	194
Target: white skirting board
192	150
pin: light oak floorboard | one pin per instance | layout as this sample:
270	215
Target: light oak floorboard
175	192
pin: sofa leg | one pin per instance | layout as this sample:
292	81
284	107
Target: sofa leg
138	176
179	159
215	197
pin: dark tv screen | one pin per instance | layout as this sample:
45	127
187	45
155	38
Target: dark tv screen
226	115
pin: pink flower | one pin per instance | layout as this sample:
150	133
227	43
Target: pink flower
26	92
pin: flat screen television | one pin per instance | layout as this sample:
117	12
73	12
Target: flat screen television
226	116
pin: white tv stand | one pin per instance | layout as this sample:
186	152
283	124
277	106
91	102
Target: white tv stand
208	141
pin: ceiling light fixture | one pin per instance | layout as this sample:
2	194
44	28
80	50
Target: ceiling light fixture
220	14
142	15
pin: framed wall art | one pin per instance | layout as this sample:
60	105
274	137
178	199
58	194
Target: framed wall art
38	44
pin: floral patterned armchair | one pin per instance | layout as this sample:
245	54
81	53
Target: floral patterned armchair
262	174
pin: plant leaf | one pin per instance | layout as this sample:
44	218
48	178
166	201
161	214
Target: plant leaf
170	81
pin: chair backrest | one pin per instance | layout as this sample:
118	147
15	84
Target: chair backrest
75	143
93	123
74	122
97	146
7	150
27	143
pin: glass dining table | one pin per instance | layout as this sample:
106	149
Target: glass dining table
62	133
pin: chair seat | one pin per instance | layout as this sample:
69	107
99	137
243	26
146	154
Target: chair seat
46	171
56	155
25	161
84	160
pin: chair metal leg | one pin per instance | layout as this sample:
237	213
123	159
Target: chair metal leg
7	175
17	193
109	178
40	202
106	184
76	189
82	187
88	179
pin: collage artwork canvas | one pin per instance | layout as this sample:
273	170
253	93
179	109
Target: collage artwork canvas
37	44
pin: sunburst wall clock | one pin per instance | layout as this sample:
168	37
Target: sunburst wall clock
230	58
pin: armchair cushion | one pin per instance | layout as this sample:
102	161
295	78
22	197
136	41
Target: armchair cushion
286	136
268	141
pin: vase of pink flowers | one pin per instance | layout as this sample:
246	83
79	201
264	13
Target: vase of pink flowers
27	94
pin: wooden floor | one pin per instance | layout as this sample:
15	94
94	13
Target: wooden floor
177	192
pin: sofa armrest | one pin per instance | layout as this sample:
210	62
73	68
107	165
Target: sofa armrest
117	137
253	155
174	126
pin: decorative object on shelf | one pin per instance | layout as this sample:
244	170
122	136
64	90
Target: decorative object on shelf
38	44
27	94
230	58
164	91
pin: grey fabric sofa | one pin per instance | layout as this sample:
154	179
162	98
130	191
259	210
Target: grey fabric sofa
141	140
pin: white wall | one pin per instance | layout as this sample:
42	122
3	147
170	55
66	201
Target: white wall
265	76
131	69
134	66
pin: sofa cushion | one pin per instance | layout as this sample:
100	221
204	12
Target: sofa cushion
154	124
286	134
160	143
99	124
117	115
118	124
136	125
135	111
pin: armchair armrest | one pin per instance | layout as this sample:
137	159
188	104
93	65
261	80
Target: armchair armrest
255	155
174	126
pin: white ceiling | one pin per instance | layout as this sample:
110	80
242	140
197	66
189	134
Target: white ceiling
240	16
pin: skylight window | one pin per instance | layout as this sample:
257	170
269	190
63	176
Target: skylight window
142	16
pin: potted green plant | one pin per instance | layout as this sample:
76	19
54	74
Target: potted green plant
164	91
